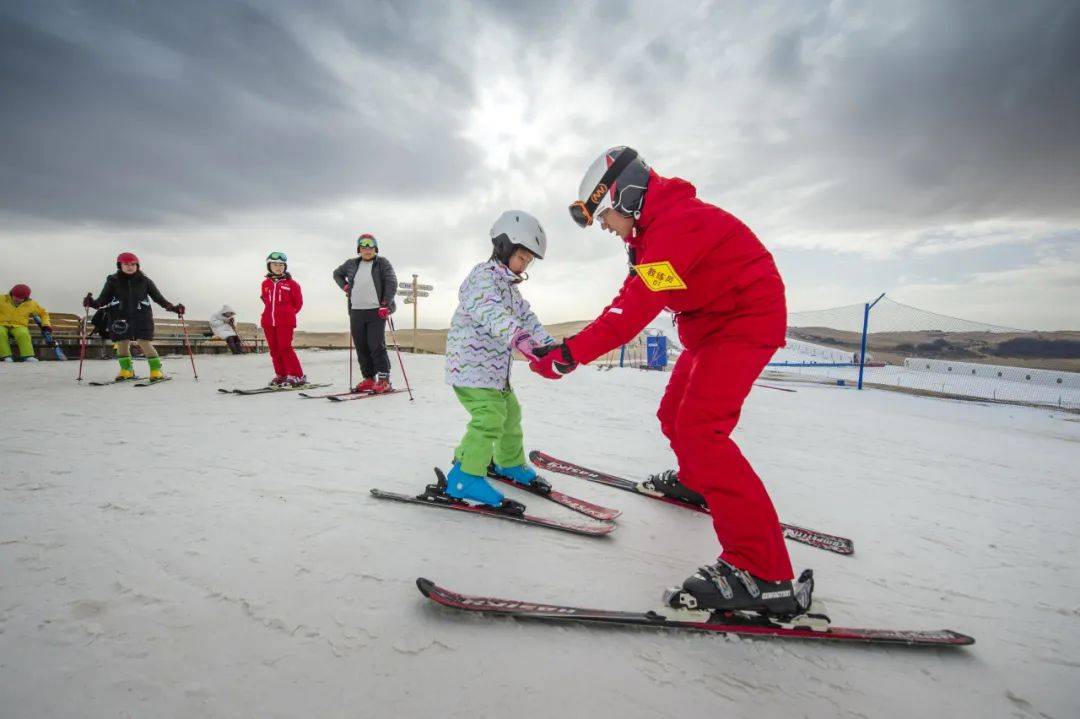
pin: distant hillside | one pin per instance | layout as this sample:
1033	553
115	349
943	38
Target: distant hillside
1046	350
429	341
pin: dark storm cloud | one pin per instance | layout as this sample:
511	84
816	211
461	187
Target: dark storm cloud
948	111
145	112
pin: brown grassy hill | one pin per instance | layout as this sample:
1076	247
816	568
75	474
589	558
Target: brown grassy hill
1046	350
430	341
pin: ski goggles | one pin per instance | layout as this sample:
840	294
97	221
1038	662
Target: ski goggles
582	212
277	257
367	241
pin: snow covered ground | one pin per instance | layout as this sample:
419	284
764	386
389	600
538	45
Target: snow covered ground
173	552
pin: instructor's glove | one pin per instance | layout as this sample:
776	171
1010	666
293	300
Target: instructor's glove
553	361
178	309
88	301
384	312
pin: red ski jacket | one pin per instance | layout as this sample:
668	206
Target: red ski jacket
282	299
698	261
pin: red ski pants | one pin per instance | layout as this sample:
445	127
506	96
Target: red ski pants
282	354
700	408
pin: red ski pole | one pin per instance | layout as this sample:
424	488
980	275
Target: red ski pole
82	342
400	363
187	344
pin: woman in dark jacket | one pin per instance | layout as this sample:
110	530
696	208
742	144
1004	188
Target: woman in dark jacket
370	284
126	298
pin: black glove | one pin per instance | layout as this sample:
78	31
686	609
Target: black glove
178	309
88	301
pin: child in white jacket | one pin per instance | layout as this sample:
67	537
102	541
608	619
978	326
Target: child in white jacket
491	321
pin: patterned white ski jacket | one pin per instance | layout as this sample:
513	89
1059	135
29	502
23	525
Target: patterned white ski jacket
490	310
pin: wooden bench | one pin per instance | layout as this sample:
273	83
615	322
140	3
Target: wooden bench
168	338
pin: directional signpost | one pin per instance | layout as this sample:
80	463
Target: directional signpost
411	291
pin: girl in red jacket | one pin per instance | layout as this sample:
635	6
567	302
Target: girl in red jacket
282	299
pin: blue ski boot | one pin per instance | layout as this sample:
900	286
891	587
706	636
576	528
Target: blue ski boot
462	485
522	474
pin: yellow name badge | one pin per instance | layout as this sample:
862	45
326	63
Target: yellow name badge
660	276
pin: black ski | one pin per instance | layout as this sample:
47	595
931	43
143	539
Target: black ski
270	390
152	382
809	627
360	395
115	381
811	537
434	496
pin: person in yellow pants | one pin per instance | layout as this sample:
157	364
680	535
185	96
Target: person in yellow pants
16	308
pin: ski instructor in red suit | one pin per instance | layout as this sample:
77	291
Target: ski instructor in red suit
707	267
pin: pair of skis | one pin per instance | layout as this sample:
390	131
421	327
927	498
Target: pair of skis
133	381
433	499
811	537
271	390
348	396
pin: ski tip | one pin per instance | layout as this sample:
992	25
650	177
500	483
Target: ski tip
425	586
961	640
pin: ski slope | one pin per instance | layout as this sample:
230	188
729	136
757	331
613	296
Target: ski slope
172	552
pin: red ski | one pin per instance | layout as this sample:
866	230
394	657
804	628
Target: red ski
578	505
812	537
682	619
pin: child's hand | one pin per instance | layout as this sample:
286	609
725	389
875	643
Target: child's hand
522	341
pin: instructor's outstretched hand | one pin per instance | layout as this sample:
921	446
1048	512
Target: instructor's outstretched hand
553	361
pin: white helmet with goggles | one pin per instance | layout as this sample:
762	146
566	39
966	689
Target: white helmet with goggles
616	180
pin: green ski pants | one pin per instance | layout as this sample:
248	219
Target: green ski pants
22	339
494	430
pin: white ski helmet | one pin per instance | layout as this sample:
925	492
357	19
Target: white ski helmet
618	180
515	228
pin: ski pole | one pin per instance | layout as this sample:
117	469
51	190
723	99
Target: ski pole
187	344
349	310
400	363
82	341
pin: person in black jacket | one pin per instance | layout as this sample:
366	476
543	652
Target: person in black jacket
370	284
126	297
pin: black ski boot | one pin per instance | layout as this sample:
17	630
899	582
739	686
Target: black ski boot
667	483
722	587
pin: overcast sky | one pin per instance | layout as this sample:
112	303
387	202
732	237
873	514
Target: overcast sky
930	150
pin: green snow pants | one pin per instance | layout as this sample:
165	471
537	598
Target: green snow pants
494	432
22	339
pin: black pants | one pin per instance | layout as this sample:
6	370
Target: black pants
369	336
235	345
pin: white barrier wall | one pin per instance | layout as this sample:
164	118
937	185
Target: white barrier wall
821	352
1027	375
